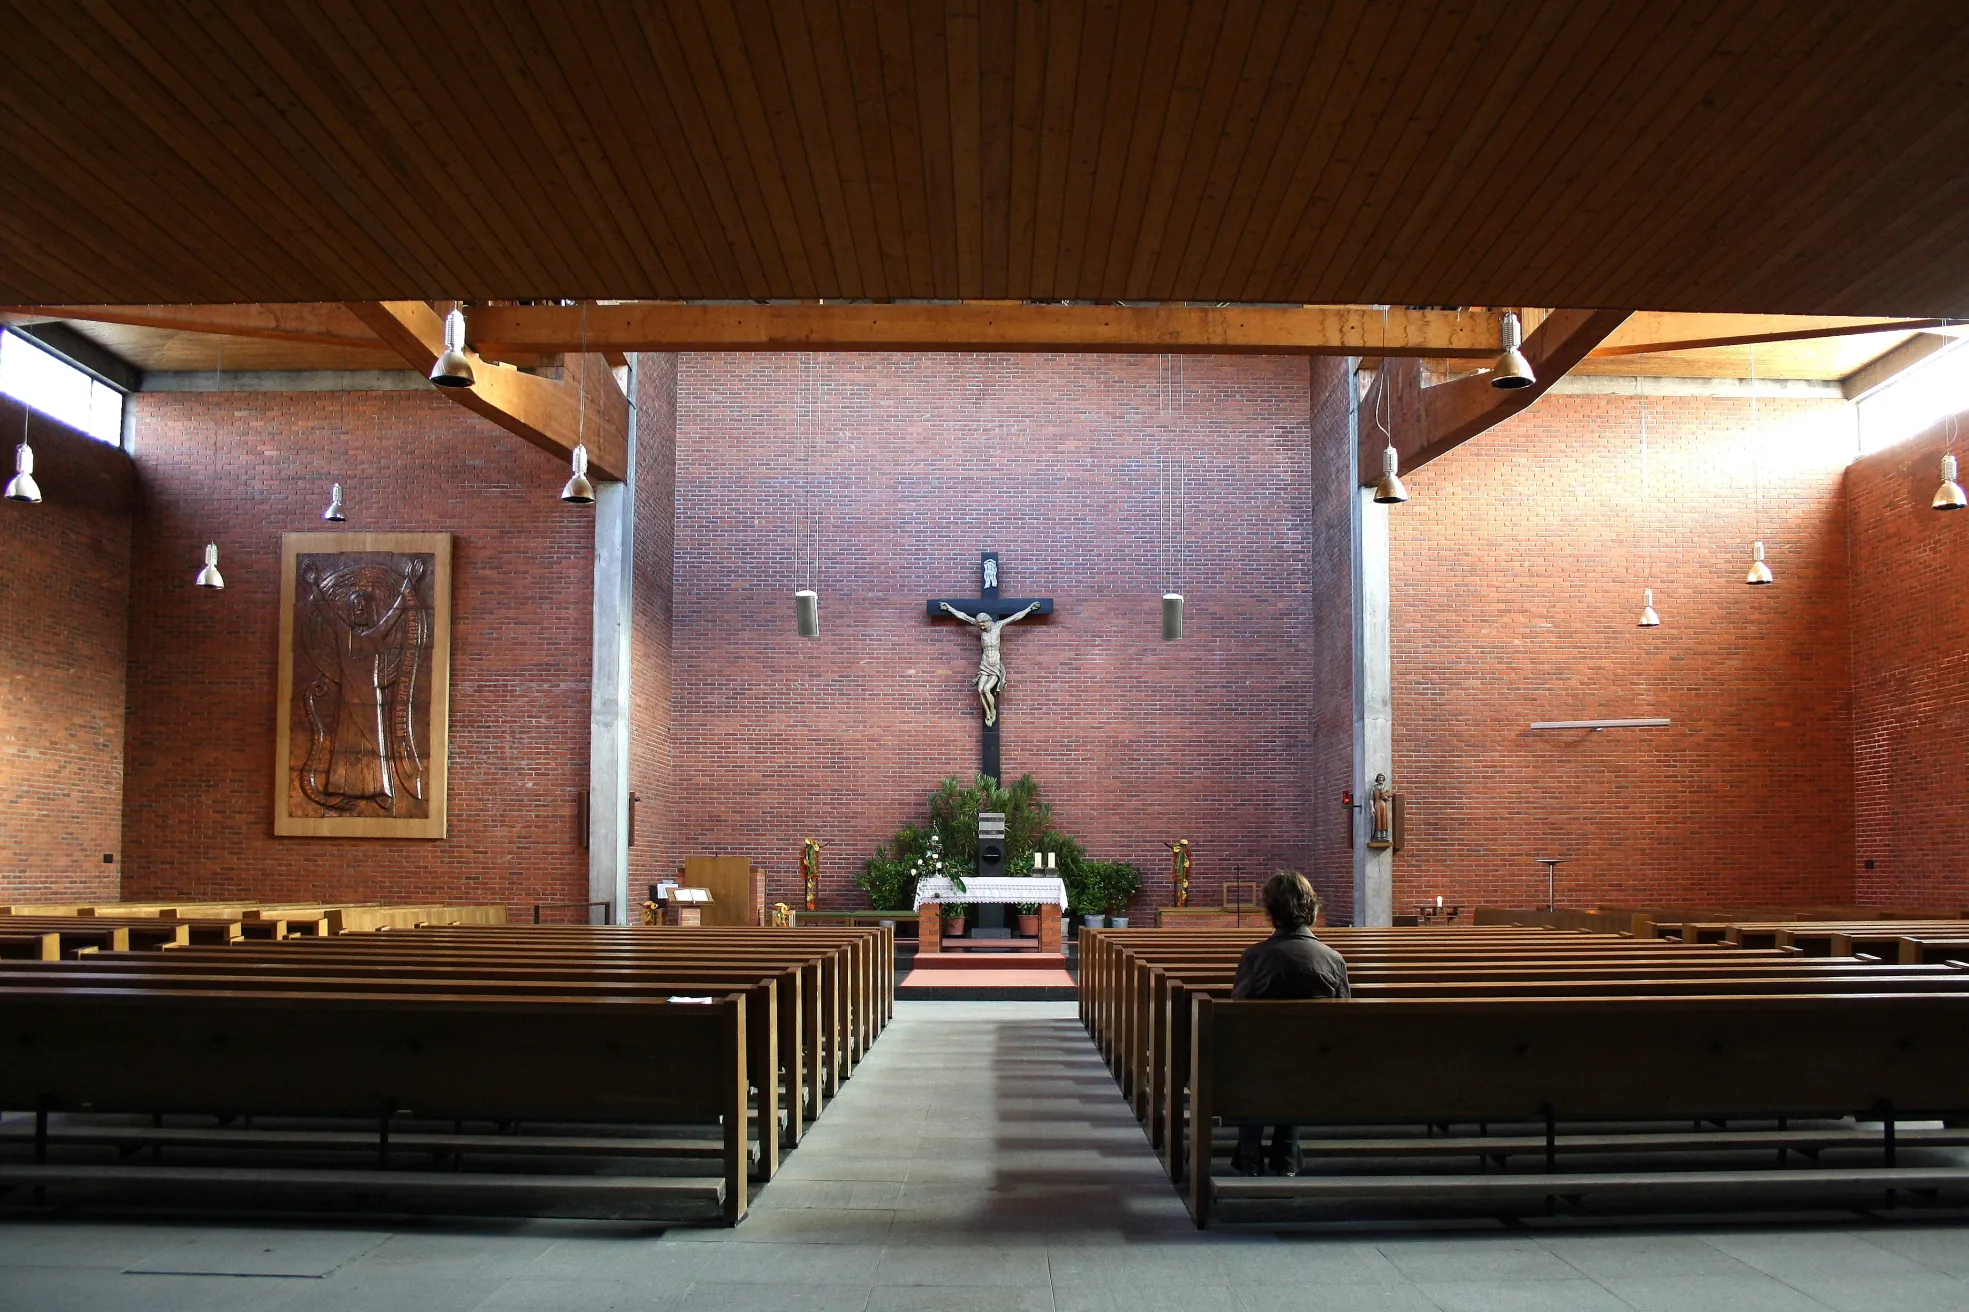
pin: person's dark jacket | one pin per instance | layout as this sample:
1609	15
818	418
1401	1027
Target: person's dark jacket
1291	964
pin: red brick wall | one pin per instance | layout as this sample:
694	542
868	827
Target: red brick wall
1911	678
240	468
64	595
1517	577
922	462
1331	710
651	742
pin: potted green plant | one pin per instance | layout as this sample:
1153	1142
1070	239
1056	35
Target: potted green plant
954	915
1120	881
1029	919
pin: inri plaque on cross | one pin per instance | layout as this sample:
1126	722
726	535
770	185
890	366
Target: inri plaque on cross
989	614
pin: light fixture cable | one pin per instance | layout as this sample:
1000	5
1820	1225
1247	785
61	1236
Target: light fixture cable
1760	572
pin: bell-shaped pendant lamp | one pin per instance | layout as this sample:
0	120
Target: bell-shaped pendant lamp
334	513
1649	618
209	577
454	367
1511	369
806	612
1760	573
579	490
1172	616
22	487
1949	496
1389	491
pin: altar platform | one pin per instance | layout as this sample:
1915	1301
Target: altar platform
988	977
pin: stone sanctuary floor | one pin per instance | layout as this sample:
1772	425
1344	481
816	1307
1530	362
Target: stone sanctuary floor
980	1159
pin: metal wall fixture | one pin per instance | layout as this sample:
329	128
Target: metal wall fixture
1511	369
334	513
1760	573
209	576
454	366
579	491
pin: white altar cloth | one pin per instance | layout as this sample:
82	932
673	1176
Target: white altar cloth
1004	888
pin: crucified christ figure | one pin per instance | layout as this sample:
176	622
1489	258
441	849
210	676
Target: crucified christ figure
991	665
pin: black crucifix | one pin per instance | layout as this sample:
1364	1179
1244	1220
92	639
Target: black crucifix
989	614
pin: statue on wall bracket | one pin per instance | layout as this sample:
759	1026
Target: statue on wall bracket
1381	809
365	671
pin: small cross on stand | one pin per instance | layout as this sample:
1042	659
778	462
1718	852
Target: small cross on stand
989	614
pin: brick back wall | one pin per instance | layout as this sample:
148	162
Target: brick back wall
1331	710
64	593
651	741
1517	577
922	461
1911	678
241	468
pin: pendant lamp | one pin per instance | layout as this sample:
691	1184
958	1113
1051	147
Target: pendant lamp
1390	490
1172	616
453	367
806	612
334	513
1949	496
209	577
1511	369
579	491
22	487
1760	573
1649	619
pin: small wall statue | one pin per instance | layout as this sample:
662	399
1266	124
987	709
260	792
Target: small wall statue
1179	869
810	871
1381	810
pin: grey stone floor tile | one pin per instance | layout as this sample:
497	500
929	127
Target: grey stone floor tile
401	1289
1274	1263
1521	1296
963	1265
1143	1298
583	1296
953	1298
644	1259
1805	1255
108	1245
1401	1297
1645	1256
1930	1291
221	1251
1713	1294
797	1225
779	1263
1475	1258
44	1289
785	1297
1940	1248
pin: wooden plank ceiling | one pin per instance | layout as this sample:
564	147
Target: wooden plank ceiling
1724	155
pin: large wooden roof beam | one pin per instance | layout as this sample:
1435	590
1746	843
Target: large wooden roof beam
1425	422
521	330
585	405
324	324
1648	333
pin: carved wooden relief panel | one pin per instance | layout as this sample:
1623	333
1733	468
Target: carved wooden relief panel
365	672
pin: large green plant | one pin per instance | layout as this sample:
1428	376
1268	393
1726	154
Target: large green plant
890	875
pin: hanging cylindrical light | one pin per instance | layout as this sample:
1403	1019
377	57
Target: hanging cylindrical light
1649	619
579	490
1760	573
1948	496
334	513
806	612
1172	616
22	487
1390	491
453	367
209	576
1511	369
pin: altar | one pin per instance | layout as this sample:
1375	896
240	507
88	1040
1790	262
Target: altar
1048	892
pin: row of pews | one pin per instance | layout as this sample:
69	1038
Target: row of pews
1529	1067
1866	933
644	1072
61	931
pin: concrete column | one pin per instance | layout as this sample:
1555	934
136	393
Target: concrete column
1374	889
608	729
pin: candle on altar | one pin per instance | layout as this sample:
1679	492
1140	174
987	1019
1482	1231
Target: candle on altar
1439	901
1036	863
1051	859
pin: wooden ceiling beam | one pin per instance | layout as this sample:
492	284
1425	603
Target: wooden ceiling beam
585	405
325	324
1647	333
1426	422
500	331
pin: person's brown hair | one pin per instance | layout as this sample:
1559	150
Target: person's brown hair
1289	900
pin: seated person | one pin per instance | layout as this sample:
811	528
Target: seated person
1291	964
